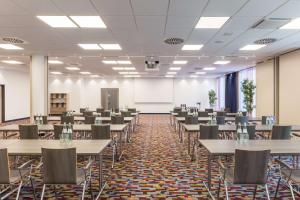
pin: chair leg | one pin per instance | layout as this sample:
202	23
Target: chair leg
226	190
219	188
277	188
291	189
83	190
254	193
91	189
113	156
33	190
19	190
43	192
54	188
267	192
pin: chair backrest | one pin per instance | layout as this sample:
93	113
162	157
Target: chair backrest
227	110
99	110
4	167
251	131
241	120
116	110
88	113
202	114
264	119
251	166
89	119
105	114
59	166
58	128
209	110
220	120
280	132
177	109
44	118
244	113
182	114
101	132
132	110
221	113
126	113
209	131
189	119
67	119
82	110
193	109
117	119
28	131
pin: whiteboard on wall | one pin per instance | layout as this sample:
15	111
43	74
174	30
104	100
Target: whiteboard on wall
153	90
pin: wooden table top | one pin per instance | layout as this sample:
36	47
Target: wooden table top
33	147
232	128
81	118
76	127
228	147
205	119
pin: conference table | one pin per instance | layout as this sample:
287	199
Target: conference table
195	128
120	129
227	148
16	147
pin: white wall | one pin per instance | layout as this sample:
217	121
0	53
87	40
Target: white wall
86	92
17	93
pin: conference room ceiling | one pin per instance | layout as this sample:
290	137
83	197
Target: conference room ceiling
141	26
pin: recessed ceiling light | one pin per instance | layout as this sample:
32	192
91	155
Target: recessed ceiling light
211	22
294	24
175	68
252	47
10	47
85	73
111	46
180	62
169	76
90	46
55	62
199	73
58	21
109	62
124	62
88	21
118	68
123	72
171	72
129	68
133	72
56	73
209	68
13	62
132	76
191	47
222	62
94	75
73	68
193	76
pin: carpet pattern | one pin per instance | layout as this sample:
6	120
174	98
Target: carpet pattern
155	165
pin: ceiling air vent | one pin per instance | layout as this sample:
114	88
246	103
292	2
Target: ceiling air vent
271	23
174	41
13	40
265	41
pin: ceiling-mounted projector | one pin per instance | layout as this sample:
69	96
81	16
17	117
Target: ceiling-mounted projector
151	64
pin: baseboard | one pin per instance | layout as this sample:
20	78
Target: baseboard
13	120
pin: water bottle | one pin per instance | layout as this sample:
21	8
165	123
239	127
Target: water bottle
63	133
41	120
239	133
69	133
245	134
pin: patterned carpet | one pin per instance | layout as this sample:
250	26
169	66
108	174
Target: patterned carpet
155	165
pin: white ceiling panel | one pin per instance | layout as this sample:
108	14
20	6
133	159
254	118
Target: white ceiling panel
75	7
181	22
39	7
176	32
152	7
240	23
187	7
289	10
113	7
200	36
120	22
20	21
221	8
8	7
257	8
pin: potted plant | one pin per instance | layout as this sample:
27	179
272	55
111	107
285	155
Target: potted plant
212	98
248	89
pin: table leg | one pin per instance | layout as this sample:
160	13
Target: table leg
209	158
121	143
189	143
100	172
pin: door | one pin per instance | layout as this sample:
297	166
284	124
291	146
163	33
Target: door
110	98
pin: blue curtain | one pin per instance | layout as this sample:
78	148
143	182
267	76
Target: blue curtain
231	92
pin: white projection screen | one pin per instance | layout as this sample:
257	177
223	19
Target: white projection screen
153	91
